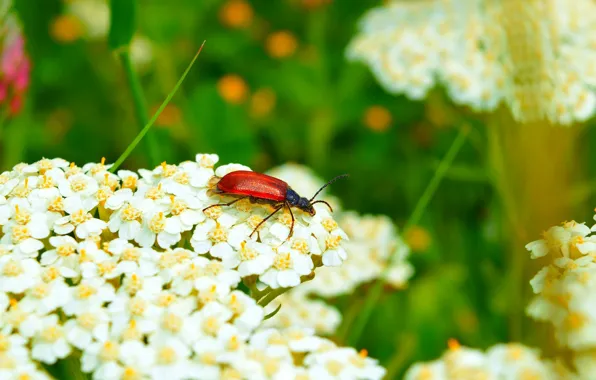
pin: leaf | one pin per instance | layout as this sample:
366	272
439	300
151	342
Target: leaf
272	314
122	23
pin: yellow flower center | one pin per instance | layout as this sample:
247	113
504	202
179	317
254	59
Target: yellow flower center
282	261
166	355
329	224
208	295
50	274
211	326
253	221
301	245
57	205
4	178
334	367
182	178
85	291
12	268
109	351
208	358
51	334
213	268
157	223
131	254
218	235
131	333
166	299
129	182
80	216
178	207
40	290
332	242
172	322
155	193
65	250
137	306
130	373
130	213
78	184
106	267
247	253
213	212
20	233
21	216
4	343
87	321
46	182
134	283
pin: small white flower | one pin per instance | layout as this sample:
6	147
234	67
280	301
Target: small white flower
87	325
45	297
17	275
89	293
79	185
288	266
49	344
79	219
250	258
171	358
64	255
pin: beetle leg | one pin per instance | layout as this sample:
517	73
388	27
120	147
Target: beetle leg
264	220
225	204
293	220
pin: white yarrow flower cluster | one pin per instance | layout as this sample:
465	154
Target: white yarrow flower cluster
566	289
512	361
536	57
372	240
126	272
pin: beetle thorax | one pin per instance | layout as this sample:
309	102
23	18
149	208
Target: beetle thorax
300	202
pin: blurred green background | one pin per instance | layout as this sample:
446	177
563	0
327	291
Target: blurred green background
272	85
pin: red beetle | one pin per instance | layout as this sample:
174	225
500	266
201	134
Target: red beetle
262	188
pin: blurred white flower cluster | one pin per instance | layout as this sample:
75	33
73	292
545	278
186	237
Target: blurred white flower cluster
566	290
94	19
372	240
537	57
512	361
126	272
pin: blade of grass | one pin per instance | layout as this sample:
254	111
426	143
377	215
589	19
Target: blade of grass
163	105
375	293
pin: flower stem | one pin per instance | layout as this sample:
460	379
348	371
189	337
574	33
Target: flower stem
140	105
148	125
272	295
375	293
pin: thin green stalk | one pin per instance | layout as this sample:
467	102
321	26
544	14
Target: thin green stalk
140	105
163	105
272	295
375	293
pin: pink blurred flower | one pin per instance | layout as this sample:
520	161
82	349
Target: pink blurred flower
14	65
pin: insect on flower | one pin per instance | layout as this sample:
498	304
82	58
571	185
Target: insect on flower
264	189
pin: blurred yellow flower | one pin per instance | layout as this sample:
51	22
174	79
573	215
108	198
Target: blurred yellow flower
377	118
262	102
66	28
281	44
534	56
236	14
232	88
418	239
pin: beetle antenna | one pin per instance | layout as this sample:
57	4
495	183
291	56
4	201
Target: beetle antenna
321	201
327	184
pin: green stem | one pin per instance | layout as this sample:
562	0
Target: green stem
348	319
71	368
148	125
272	295
375	293
140	105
